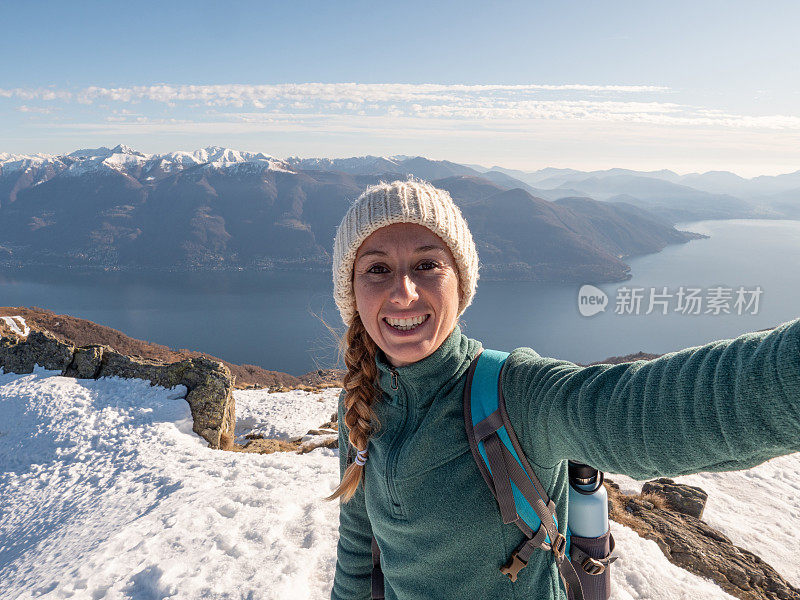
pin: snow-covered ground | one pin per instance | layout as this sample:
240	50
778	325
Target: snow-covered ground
283	415
758	509
105	492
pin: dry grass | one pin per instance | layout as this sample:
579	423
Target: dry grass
618	501
654	499
266	446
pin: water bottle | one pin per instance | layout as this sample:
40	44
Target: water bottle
588	501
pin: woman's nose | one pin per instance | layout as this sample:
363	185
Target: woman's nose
404	291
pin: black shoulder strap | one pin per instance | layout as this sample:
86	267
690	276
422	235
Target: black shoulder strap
376	577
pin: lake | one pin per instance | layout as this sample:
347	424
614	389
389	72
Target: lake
273	319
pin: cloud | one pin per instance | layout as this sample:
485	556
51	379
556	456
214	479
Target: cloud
467	106
47	94
357	93
35	109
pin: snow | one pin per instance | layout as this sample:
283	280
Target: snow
136	164
17	324
283	415
758	508
643	573
105	492
23	163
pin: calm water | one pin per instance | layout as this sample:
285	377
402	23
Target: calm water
272	320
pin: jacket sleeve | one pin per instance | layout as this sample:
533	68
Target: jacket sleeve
727	405
352	579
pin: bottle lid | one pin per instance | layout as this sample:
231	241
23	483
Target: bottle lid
582	474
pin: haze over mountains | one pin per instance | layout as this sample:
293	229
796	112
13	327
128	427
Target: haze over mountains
219	208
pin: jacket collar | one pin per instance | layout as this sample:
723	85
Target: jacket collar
419	382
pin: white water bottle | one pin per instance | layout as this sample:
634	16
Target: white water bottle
588	501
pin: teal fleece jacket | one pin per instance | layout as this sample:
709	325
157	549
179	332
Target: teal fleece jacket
727	405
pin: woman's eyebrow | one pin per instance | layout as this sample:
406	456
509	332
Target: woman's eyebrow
417	251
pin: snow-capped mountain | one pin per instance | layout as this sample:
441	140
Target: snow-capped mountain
125	160
358	165
224	208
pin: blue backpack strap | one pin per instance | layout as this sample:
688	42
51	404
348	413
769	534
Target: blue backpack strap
521	497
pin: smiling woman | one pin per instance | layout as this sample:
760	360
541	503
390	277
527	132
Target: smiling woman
406	287
414	501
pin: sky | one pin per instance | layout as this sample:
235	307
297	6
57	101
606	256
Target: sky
688	86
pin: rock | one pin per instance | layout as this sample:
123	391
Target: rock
319	441
41	348
686	499
210	396
209	383
695	546
85	362
321	431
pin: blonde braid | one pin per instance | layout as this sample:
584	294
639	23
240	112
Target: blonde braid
361	392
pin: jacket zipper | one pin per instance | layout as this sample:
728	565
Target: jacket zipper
392	458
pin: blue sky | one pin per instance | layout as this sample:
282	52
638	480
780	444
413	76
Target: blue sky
690	86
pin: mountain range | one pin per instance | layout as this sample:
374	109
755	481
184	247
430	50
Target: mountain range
219	208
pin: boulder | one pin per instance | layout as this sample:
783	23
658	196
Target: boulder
686	499
86	361
20	355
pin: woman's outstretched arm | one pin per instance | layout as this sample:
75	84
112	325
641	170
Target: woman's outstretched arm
352	579
728	405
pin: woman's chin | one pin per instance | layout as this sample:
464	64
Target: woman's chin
406	347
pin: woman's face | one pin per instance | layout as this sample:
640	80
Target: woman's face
404	271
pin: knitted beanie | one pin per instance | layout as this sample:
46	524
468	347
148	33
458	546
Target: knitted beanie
411	201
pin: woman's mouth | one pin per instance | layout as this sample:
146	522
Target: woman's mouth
406	325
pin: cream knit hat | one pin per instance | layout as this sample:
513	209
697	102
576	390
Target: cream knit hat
411	201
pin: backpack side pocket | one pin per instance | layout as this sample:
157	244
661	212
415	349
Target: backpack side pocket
596	585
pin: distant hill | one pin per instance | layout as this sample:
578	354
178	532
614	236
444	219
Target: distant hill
219	208
694	196
521	236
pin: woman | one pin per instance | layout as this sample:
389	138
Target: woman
405	269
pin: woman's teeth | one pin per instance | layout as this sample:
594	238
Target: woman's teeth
406	324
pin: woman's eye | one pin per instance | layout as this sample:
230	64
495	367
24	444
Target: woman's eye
425	266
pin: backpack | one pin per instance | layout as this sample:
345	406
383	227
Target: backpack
583	563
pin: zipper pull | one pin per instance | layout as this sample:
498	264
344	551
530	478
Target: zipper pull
394	379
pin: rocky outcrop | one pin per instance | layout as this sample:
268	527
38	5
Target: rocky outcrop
686	499
665	513
80	332
209	383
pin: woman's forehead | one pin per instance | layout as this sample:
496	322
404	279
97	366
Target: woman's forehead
405	237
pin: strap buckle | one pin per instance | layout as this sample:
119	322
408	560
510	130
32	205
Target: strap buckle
559	546
592	566
514	565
